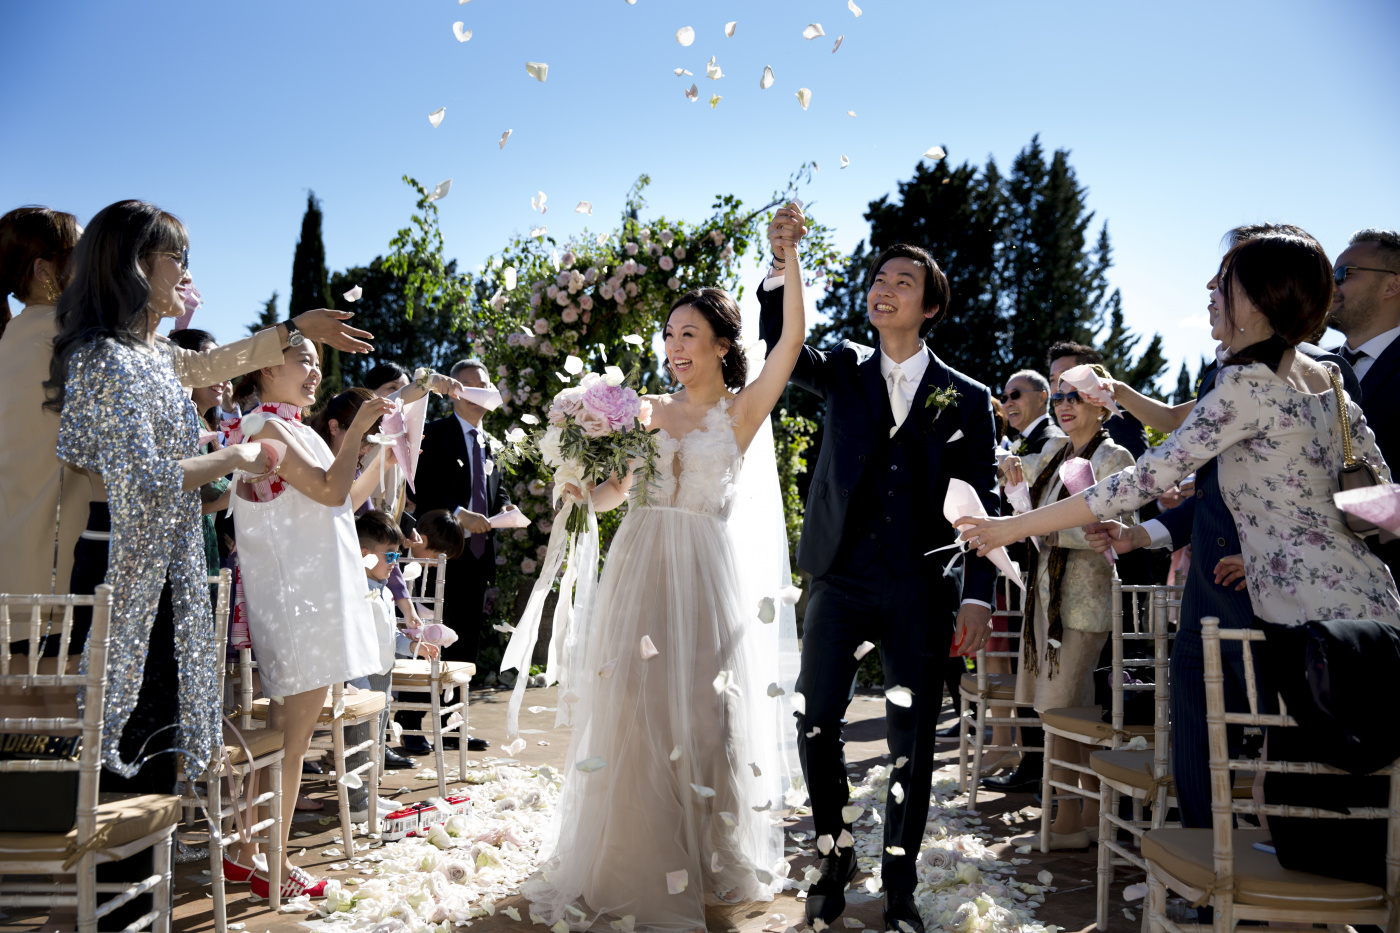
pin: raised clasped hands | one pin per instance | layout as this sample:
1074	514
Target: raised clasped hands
788	227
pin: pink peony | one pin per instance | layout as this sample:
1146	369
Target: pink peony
569	314
667	264
541	326
618	406
586	302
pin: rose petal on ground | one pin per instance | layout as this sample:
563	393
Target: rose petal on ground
515	748
849	814
685	35
436	116
804	97
765	82
812	31
461	32
1045	878
537	70
1022	850
648	649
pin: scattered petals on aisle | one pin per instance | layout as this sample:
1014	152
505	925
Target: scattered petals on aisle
436	116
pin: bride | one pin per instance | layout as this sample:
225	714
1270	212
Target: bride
678	763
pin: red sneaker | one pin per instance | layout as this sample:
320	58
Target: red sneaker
296	884
239	874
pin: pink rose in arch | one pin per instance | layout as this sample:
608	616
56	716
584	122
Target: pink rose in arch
569	314
666	263
586	302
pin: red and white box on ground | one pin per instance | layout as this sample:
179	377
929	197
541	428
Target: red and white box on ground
417	818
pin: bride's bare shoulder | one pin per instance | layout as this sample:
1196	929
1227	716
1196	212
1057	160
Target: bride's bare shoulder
663	411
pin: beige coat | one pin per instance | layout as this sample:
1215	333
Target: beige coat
30	471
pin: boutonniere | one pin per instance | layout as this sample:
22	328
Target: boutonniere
1019	448
941	399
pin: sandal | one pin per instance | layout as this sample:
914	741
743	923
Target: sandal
297	884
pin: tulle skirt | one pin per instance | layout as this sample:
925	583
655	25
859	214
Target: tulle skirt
677	766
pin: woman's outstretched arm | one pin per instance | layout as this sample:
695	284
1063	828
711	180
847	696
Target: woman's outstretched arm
755	402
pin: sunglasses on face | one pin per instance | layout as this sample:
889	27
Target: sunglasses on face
391	557
1339	275
1072	397
182	257
1012	396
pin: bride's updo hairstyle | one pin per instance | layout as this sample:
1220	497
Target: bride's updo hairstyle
1288	278
722	312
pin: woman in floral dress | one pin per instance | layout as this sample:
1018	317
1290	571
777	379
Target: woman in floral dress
1272	424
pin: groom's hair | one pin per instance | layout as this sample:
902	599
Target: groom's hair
936	292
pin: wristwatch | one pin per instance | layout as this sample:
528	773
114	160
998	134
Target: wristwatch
294	336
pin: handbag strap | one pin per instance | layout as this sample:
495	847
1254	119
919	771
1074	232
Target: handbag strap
1348	456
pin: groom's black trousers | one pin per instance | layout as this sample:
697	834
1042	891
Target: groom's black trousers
912	617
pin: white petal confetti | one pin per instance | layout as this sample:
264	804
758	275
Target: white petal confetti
351	780
790	595
460	32
371	561
1022	850
538	231
512	912
901	761
767	611
729	29
845	161
900	696
935	153
839	39
354	293
511	277
714	100
685	35
897	792
683	71
846	840
505	136
573	365
849	814
1045	878
693	93
765	82
676	753
714	863
775	691
537	70
757	772
712	70
728	819
824	843
722	680
812	31
607	669
627	924
799	702
850	113
589	765
804	97
851	5
767	805
1135	892
436	116
338	709
584	207
634	339
701	790
863	649
613	376
648	649
504	627
677	881
537	202
515	748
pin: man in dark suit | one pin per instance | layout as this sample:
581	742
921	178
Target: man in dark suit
1026	401
899	424
456	472
1366	308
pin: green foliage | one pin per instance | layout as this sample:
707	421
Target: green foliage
792	436
416	257
311	289
1185	389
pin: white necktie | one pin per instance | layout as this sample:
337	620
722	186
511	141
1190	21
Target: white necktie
898	403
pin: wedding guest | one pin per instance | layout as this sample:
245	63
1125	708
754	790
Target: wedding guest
456	472
1069	599
1366	308
36	244
206	400
1127	432
126	422
386	378
1026	399
332	422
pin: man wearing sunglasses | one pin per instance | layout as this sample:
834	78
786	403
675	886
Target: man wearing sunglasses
1366	308
1026	401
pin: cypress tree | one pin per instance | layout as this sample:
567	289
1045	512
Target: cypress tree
1185	387
311	288
267	317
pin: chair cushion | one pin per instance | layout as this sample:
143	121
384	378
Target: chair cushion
1127	767
259	741
999	686
418	672
357	706
1260	880
1087	721
121	818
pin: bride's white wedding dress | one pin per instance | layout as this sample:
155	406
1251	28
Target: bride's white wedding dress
694	748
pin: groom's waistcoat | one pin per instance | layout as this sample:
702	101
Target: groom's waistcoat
888	518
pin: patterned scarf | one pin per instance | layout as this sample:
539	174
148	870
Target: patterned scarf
1055	560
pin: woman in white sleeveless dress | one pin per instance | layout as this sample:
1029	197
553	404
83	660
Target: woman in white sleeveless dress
302	574
676	768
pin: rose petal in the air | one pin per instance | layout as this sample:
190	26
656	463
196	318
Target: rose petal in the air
634	339
588	765
804	97
436	116
648	649
573	365
799	702
693	93
897	792
701	790
354	293
537	70
613	376
511	277
677	881
714	100
537	202
729	29
767	610
851	5
584	207
351	780
849	814
685	35
371	561
863	649
676	753
683	71
1045	878
812	31
757	772
824	843
538	231
935	153
845	161
460	32
440	191
765	82
850	113
712	70
775	691
839	39
505	136
900	696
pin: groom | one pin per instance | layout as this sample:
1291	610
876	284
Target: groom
899	424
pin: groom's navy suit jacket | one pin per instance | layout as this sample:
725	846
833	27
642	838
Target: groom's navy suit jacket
904	510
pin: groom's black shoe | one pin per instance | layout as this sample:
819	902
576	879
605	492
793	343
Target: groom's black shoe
901	916
1024	779
826	898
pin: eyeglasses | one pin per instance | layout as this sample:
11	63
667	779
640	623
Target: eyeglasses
391	557
1071	397
1012	396
183	257
1340	274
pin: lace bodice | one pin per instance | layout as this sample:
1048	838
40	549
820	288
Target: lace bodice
698	471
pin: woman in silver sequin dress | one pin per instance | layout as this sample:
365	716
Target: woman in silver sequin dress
126	422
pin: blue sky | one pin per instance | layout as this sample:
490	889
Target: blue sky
1183	119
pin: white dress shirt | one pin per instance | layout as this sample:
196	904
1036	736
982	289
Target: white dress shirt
913	369
1371	350
470	432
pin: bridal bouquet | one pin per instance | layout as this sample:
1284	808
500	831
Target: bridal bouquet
595	429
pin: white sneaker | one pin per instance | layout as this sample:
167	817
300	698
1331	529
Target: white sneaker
385	808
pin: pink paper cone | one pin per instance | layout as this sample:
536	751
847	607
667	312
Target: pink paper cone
1078	475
